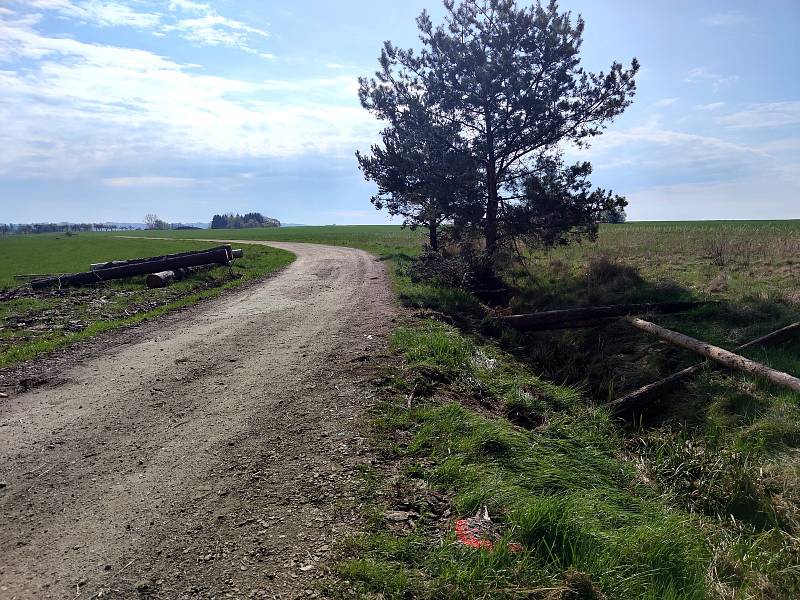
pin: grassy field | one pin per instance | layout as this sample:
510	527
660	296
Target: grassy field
35	323
381	240
731	258
734	255
698	500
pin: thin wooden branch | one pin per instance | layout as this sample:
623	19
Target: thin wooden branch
590	316
720	355
636	398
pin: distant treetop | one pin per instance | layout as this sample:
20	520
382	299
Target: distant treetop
237	221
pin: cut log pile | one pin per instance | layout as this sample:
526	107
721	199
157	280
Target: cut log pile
179	265
598	315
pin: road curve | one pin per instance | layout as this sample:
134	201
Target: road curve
207	453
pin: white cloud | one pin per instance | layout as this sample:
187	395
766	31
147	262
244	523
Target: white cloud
665	102
216	30
755	197
725	19
189	6
102	13
334	66
146	181
710	106
703	75
80	107
197	22
769	114
652	144
50	4
669	174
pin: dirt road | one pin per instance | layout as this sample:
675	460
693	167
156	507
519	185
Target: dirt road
210	454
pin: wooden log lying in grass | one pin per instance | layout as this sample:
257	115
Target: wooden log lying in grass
219	256
237	253
590	316
633	400
160	279
164	278
132	261
715	353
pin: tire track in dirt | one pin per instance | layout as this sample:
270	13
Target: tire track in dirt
208	453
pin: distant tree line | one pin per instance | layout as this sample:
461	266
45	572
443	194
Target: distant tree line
152	221
24	228
246	221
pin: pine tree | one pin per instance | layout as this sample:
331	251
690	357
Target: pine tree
508	80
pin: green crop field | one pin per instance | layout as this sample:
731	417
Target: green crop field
741	253
382	240
32	323
737	254
59	253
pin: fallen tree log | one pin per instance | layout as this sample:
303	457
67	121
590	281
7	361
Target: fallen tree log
160	279
237	253
633	400
715	353
590	316
220	256
164	278
132	261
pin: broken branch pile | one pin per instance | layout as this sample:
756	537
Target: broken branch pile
221	255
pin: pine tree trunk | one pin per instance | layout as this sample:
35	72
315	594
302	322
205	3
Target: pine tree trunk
434	235
492	199
490	229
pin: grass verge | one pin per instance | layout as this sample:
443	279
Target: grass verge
483	431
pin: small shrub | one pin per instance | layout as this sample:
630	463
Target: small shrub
437	269
610	280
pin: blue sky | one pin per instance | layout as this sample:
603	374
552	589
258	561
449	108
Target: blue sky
111	109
